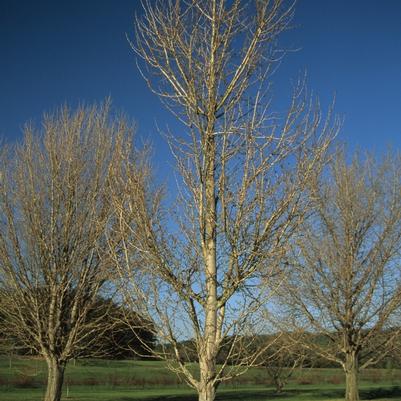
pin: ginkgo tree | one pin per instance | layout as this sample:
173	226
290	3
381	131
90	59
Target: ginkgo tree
196	270
344	277
56	217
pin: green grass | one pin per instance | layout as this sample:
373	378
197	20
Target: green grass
102	380
240	394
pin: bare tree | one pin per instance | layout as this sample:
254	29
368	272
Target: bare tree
282	358
55	217
198	267
344	279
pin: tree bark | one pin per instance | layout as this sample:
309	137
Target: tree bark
55	378
207	384
351	377
207	392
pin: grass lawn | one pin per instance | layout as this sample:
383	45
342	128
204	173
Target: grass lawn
99	380
241	394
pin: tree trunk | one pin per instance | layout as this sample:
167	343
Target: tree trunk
207	392
351	377
55	377
207	357
279	385
207	384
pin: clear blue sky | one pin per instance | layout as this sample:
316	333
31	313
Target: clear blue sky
54	52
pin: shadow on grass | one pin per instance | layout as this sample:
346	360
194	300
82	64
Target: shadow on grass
365	394
390	392
262	395
226	396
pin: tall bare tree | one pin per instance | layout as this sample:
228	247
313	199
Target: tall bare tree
344	282
198	268
55	217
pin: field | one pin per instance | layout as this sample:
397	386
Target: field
89	380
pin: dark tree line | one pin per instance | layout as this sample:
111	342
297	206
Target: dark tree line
122	334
